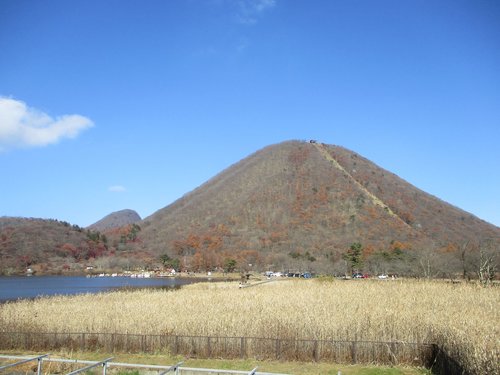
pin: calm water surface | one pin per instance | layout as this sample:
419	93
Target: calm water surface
20	287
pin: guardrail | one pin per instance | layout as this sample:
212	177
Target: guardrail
176	369
39	359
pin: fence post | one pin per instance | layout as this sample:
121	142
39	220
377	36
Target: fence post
354	353
278	349
39	367
316	351
394	358
209	351
242	347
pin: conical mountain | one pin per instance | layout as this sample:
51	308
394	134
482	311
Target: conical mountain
115	220
305	201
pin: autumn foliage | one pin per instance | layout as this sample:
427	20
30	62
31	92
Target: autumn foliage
295	206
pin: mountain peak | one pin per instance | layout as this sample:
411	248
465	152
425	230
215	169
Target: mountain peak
300	197
115	220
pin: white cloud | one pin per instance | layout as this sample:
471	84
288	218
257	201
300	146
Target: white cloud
117	189
242	45
22	126
261	5
249	11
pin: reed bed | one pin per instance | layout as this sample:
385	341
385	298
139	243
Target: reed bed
463	319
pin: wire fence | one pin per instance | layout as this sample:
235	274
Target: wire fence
337	351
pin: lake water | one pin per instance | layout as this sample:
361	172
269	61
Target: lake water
16	287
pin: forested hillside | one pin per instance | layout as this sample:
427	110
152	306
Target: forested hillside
302	205
57	247
45	245
294	206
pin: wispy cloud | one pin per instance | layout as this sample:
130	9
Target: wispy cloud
117	189
242	45
22	126
249	11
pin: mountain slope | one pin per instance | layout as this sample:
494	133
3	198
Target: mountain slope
300	201
433	217
290	206
115	220
46	245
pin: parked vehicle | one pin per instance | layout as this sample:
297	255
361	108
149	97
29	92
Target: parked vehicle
359	275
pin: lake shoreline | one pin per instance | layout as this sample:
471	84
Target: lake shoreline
14	288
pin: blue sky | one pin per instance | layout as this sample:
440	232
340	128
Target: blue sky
107	105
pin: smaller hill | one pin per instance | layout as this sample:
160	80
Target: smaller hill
46	245
115	220
49	246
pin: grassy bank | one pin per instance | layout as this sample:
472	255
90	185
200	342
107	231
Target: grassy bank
463	318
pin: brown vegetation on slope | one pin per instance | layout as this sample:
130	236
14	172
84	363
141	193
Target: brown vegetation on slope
295	206
45	245
116	220
299	205
48	246
442	222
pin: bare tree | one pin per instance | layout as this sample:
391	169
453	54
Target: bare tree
465	255
488	261
428	262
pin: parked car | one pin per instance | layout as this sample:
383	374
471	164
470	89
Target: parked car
359	275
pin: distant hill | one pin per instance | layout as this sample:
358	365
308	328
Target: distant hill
302	205
115	220
48	246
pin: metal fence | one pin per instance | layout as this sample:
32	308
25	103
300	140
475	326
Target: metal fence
75	366
337	351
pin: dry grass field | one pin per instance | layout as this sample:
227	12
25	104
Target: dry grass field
463	318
